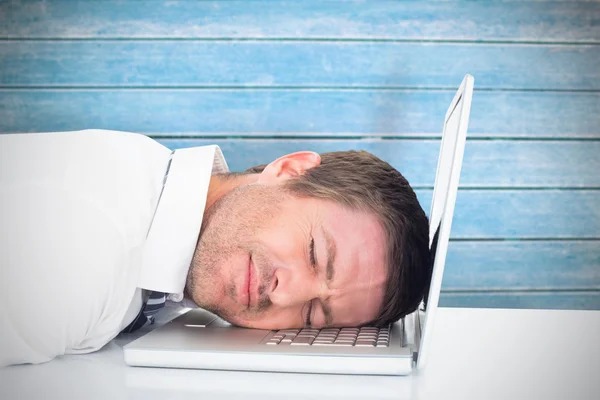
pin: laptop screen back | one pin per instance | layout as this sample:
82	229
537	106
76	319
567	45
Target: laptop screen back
443	200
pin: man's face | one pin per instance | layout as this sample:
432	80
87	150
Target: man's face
268	259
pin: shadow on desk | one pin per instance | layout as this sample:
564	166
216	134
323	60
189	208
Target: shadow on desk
261	385
103	375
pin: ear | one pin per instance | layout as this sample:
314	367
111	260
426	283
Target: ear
289	166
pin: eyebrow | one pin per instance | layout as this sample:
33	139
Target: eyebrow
329	272
331	252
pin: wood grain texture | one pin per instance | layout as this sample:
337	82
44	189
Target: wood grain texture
523	213
407	20
486	163
283	111
531	300
297	64
265	78
550	300
522	265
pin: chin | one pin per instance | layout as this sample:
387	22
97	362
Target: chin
242	323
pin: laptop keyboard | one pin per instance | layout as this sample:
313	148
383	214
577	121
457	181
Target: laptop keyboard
364	337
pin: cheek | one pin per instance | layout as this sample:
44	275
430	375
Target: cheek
280	242
287	237
242	214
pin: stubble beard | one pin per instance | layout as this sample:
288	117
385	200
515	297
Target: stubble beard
230	227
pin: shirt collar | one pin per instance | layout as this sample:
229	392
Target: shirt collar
174	230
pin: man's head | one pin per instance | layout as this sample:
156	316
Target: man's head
332	240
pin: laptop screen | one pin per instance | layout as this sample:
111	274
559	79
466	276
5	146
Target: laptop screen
443	200
445	165
442	180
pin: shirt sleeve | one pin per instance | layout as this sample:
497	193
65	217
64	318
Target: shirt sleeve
61	261
75	210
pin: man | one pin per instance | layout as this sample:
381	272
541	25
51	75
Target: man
100	227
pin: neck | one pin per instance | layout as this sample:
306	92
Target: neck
222	184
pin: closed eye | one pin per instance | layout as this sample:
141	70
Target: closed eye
307	321
313	260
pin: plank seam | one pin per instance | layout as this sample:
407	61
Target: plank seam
521	291
369	137
329	88
467	188
526	239
537	42
474	137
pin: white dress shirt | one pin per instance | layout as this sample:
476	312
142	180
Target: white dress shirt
87	220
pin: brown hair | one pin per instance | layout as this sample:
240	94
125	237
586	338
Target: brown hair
361	181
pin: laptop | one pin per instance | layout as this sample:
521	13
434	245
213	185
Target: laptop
200	340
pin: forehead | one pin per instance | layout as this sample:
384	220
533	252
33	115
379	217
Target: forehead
357	289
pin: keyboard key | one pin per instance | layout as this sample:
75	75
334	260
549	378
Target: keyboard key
343	344
366	341
306	340
332	338
365	344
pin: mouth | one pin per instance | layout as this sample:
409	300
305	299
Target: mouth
251	284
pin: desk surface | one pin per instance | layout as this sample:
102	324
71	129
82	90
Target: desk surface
476	354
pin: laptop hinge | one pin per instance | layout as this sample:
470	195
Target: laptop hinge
411	333
417	328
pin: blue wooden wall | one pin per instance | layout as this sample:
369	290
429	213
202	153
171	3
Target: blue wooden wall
263	78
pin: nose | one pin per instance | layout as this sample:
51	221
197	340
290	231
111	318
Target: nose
294	286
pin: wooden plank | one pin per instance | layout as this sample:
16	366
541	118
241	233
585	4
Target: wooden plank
523	213
406	20
532	300
297	64
522	265
496	163
512	213
280	111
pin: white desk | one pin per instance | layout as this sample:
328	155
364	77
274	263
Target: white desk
476	354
